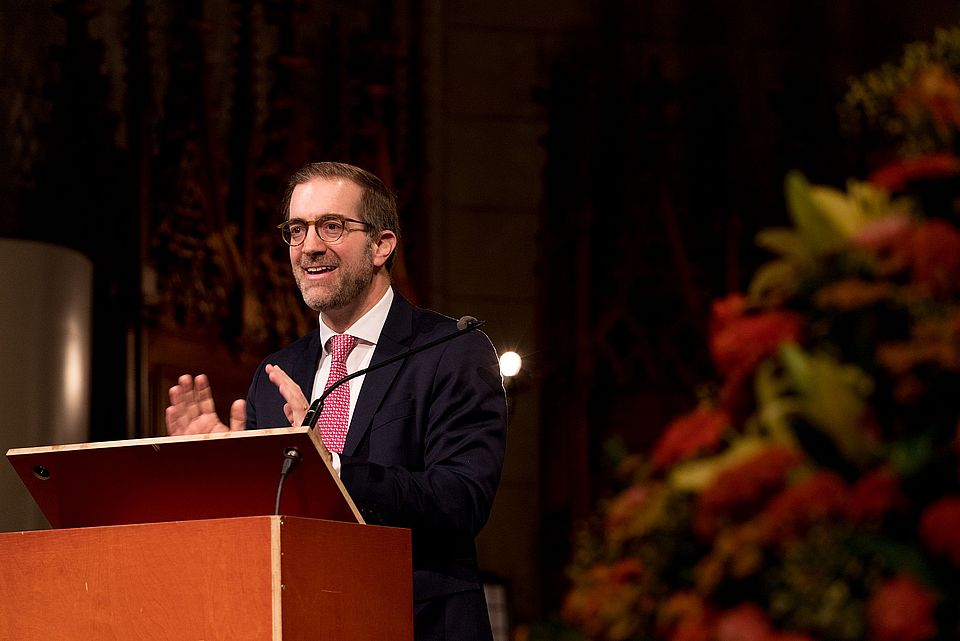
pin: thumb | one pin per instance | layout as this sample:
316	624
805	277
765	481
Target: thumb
238	415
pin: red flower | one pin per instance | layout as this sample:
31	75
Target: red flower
740	341
888	234
935	249
685	617
627	505
934	94
626	571
745	622
689	435
818	497
693	630
896	175
875	495
901	610
742	489
940	528
605	597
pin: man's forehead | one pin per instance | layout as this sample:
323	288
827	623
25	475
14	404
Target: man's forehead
338	183
335	195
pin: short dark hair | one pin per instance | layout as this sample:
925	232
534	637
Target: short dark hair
378	205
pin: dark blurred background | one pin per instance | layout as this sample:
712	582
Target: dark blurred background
584	175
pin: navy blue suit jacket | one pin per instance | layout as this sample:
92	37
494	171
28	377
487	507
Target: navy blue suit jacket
426	441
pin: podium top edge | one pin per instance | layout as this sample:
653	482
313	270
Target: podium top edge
158	440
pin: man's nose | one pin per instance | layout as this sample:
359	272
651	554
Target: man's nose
313	244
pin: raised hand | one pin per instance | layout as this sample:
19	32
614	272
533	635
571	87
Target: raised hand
192	411
296	404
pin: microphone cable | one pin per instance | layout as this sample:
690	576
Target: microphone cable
291	458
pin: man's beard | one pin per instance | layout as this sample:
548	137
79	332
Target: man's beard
351	281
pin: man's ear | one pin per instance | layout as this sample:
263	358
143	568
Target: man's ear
383	247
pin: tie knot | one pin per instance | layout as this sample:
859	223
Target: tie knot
341	345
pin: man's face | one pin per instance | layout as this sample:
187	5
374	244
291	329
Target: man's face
331	276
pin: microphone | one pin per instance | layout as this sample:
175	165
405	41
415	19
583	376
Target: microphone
291	458
465	325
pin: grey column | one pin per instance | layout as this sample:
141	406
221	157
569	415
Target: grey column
45	327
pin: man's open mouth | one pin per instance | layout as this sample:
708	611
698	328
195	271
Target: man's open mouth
320	269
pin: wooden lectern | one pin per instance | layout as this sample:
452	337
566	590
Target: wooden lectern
171	538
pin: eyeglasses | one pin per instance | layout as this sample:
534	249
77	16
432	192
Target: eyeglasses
329	228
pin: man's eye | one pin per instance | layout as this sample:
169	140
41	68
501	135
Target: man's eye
332	226
296	229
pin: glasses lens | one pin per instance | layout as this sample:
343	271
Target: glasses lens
330	228
294	232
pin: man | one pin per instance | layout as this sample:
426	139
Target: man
418	443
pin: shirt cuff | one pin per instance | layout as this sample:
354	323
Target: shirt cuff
335	462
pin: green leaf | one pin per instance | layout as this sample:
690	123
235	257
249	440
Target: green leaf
910	455
899	556
776	276
697	474
833	397
818	232
843	211
786	242
614	451
774	404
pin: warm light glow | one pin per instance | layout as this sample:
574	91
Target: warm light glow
510	363
75	374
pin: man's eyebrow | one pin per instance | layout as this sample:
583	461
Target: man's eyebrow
319	216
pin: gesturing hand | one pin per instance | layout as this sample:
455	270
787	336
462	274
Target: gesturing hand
191	409
296	404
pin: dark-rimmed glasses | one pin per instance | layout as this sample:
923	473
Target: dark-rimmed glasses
329	228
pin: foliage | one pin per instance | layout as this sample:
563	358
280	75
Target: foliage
914	103
817	496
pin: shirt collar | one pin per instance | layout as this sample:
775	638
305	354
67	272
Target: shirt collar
368	327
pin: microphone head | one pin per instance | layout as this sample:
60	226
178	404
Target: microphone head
467	321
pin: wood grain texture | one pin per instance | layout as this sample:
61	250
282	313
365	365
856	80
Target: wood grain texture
265	578
189	581
344	581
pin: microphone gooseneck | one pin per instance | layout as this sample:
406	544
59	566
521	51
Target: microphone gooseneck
465	325
291	458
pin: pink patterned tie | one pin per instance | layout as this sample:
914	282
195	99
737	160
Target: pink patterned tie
336	408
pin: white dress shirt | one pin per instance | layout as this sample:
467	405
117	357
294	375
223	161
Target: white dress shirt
367	329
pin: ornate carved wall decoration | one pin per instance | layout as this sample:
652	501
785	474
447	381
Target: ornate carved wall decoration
157	138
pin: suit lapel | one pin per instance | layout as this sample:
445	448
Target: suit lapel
394	339
303	369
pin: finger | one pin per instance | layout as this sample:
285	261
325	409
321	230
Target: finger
291	393
191	408
175	421
172	414
288	413
176	412
204	395
238	415
187	401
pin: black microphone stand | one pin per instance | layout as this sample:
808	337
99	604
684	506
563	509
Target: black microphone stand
465	325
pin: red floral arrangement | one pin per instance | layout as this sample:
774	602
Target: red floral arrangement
817	497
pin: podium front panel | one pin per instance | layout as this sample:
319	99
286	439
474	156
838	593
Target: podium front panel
264	578
209	580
